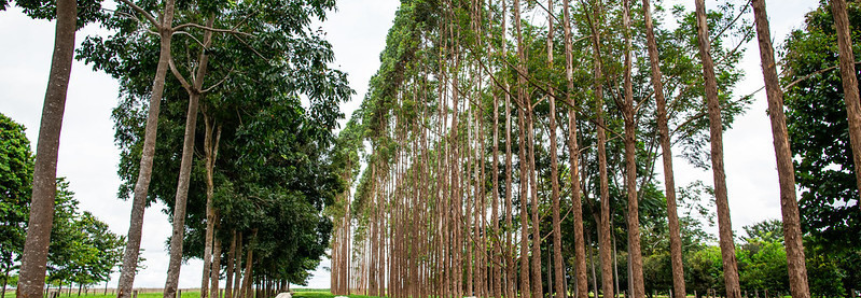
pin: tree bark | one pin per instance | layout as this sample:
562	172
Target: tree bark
35	255
537	284
850	83
554	172
785	169
245	290
179	213
132	250
667	155
211	140
524	168
631	180
730	265
510	248
5	283
574	167
231	257
594	274
215	276
237	279
604	225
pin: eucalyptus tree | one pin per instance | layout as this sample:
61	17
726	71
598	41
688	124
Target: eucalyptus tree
666	153
850	81
574	156
730	264
785	170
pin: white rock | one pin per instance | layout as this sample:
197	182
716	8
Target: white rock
341	297
284	295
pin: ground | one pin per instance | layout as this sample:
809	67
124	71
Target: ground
156	293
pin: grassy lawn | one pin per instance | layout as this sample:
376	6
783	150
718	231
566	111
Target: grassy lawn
154	293
322	293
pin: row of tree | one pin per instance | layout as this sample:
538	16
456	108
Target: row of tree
250	183
442	210
83	250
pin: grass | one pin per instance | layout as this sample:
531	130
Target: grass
99	293
320	293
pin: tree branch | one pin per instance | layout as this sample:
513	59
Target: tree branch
198	26
142	11
178	75
219	82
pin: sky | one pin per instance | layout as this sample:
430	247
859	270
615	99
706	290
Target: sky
357	32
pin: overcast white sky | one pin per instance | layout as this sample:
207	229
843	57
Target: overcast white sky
357	30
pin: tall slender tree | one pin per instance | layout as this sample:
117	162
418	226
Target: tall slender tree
164	27
785	170
34	258
850	82
727	245
666	154
581	282
629	115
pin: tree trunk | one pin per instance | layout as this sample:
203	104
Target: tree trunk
231	256
80	288
212	138
730	265
667	155
785	169
216	266
594	274
574	160
524	168
175	262
537	284
237	279
132	251
510	248
631	174
616	269
554	173
245	290
5	282
35	255
850	83
604	225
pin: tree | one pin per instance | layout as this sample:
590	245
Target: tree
716	128
786	172
667	155
820	138
850	81
35	253
16	166
165	31
83	250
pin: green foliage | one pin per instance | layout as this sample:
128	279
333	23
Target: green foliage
16	174
819	131
88	10
82	250
819	137
276	101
